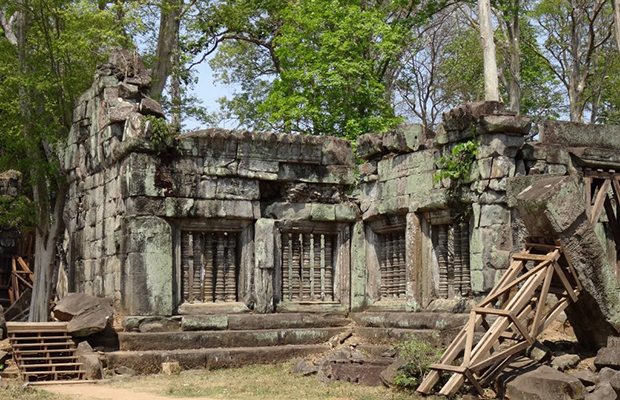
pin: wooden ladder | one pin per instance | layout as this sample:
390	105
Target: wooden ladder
44	352
518	303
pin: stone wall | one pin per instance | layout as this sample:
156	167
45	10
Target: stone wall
242	213
399	179
133	201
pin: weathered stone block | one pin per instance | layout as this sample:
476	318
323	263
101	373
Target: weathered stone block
499	144
289	211
224	208
323	212
149	106
148	289
408	138
348	212
518	125
369	145
259	169
532	382
237	189
336	151
572	134
339	175
494	214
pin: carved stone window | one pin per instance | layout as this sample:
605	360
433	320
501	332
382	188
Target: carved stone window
451	242
210	266
387	258
392	265
308	266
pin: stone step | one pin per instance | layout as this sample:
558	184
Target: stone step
134	341
409	320
234	322
149	362
392	336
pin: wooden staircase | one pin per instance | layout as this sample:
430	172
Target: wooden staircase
518	304
44	352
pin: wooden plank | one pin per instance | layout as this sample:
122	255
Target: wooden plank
448	368
515	282
494	311
474	382
14	282
36	327
25	282
597	208
613	220
567	285
531	257
471	328
573	272
541	246
500	355
588	195
541	303
25	268
522	329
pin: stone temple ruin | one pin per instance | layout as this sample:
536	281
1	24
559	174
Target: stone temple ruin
222	223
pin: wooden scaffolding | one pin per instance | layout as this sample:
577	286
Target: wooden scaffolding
508	321
44	352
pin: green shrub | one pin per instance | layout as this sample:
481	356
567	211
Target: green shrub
418	356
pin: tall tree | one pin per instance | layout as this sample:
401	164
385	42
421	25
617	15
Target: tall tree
58	44
324	67
572	33
491	84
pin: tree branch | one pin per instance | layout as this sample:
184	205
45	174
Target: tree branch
8	27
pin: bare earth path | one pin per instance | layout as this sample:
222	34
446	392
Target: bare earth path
101	392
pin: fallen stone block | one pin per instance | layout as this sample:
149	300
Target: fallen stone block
389	374
171	368
588	378
554	209
90	361
86	314
523	380
603	391
608	356
565	362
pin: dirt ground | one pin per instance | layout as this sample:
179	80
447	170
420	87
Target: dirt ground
94	391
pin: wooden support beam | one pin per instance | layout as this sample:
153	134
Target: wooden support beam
597	208
588	194
541	303
612	221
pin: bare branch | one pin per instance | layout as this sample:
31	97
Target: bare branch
9	27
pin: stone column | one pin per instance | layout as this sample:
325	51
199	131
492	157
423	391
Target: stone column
264	244
358	267
148	268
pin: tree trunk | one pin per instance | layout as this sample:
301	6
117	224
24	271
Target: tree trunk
167	43
47	235
616	6
491	84
515	61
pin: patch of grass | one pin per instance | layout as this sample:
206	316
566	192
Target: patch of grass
14	389
256	382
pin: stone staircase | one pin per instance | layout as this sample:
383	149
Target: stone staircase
233	340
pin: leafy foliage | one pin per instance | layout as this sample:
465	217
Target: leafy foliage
418	355
162	134
457	164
